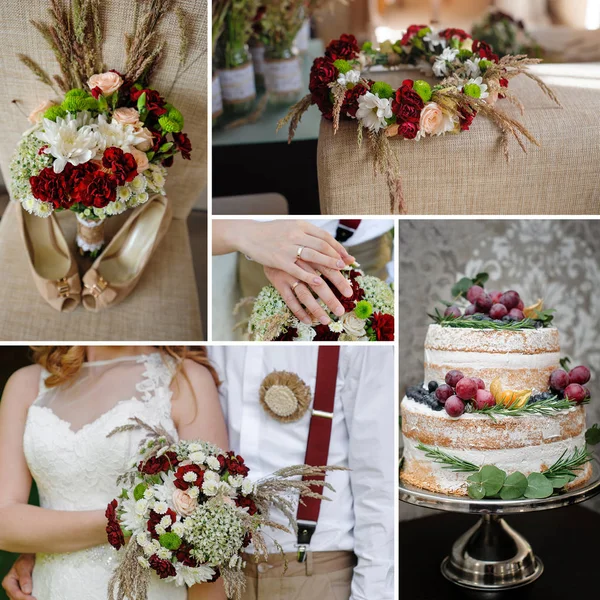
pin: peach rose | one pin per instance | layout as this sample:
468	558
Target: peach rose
38	112
148	138
141	159
184	504
126	116
392	130
434	121
109	82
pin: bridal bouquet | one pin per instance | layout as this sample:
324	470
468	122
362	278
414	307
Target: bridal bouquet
104	146
190	509
369	314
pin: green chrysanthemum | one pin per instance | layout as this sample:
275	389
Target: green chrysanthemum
484	63
54	112
423	89
473	90
76	104
367	46
363	309
382	89
169	125
464	54
171	541
76	93
423	32
343	66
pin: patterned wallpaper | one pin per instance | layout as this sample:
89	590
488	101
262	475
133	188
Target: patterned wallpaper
558	261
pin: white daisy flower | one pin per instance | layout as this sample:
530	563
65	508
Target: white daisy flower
193	492
476	88
197	457
141	506
144	562
178	528
351	77
336	327
138	184
472	66
213	463
190	477
164	553
123	193
247	487
433	39
440	66
373	111
160	507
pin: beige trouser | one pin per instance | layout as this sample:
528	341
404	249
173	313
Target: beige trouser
324	576
372	256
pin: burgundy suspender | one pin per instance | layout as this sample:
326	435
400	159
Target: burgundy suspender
319	437
346	229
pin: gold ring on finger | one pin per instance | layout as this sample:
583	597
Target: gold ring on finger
299	252
295	285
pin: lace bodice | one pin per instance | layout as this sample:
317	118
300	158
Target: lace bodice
75	464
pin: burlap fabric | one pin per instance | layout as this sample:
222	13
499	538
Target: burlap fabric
467	173
372	255
164	306
324	575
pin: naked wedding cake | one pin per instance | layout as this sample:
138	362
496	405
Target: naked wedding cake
499	414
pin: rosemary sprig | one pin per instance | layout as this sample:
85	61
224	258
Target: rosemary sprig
541	407
468	322
566	466
447	460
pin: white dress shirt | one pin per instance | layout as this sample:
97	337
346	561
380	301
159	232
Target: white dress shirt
360	515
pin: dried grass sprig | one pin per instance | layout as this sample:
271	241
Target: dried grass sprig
37	70
386	162
130	580
339	93
294	116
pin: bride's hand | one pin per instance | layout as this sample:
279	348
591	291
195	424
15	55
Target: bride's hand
281	244
298	295
18	584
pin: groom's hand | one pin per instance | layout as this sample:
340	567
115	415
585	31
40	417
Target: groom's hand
18	584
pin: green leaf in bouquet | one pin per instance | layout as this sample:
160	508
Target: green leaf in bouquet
102	104
141	102
514	486
150	155
165	148
492	479
538	486
138	491
592	435
476	489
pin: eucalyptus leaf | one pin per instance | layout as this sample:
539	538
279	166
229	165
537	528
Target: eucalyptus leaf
592	435
538	486
492	479
514	486
461	287
560	481
476	489
480	279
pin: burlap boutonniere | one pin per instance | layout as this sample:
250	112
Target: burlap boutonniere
284	396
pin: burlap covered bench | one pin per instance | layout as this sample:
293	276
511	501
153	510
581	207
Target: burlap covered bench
467	173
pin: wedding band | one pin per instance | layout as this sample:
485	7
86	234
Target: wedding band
299	252
318	273
295	285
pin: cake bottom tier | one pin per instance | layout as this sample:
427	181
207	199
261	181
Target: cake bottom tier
421	472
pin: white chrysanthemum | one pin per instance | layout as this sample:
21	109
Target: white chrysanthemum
141	506
116	208
138	184
144	562
213	463
131	519
373	111
336	327
143	539
440	66
160	529
100	212
478	82
194	447
192	575
197	457
166	521
161	507
210	488
164	553
114	134
37	207
433	40
305	332
158	176
178	529
193	492
149	494
70	140
211	476
472	66
190	477
123	193
248	487
351	77
236	481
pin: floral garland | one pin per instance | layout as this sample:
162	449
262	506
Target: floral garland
369	314
472	78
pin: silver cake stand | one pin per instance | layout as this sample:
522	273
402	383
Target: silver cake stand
492	556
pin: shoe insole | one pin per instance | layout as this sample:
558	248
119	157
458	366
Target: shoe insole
126	260
50	254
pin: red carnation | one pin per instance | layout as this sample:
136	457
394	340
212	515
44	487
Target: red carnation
484	50
410	34
323	101
96	189
113	530
244	502
466	118
96	92
180	482
163	568
324	334
51	187
350	104
121	164
159	140
322	72
159	464
42	150
154	102
287	336
155	519
408	130
383	327
453	32
74	174
184	557
346	48
183	144
349	303
234	464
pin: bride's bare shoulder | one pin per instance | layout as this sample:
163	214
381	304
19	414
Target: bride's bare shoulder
23	385
198	376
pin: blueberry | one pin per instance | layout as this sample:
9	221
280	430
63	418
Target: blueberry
432	386
437	406
507	319
486	318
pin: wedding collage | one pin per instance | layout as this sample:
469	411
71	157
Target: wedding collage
299	299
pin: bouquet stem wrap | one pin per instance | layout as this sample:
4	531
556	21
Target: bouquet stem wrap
90	235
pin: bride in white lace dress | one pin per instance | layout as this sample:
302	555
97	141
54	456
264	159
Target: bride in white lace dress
54	423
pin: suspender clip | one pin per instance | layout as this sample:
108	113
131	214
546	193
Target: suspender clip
306	529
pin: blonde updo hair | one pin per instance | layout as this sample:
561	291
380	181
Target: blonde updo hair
64	362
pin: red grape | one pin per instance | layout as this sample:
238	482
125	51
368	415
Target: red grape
483	302
480	382
587	393
516	314
574	392
466	388
580	375
454	406
498	311
495	295
470	310
483	398
510	299
453	377
444	392
452	311
474	292
521	305
559	380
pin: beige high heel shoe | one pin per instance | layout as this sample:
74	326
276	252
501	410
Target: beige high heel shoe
52	264
117	270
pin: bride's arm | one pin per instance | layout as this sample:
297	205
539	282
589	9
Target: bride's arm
25	528
198	416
